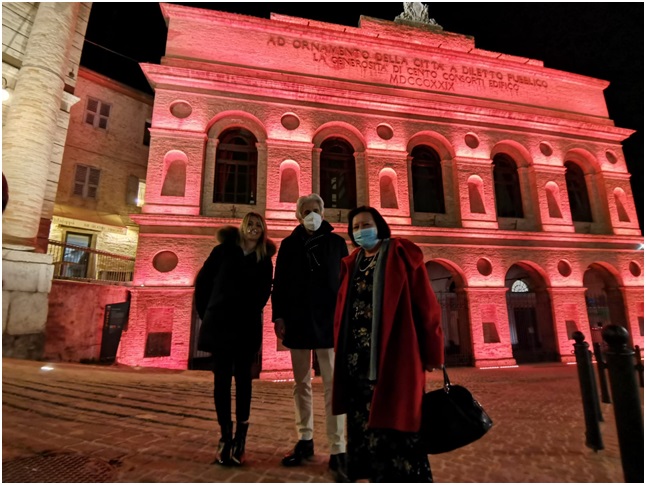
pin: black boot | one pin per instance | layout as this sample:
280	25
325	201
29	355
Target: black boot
223	456
303	450
238	454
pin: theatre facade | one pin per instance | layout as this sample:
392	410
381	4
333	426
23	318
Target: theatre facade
509	175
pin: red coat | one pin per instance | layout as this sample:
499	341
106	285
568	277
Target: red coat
410	339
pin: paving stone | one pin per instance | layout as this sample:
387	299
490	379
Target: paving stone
160	426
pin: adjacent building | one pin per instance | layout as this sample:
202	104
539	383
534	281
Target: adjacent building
103	173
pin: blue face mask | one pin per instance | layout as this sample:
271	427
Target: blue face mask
366	238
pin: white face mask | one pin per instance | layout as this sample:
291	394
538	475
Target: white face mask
312	221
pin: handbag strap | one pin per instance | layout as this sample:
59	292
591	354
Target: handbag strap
447	382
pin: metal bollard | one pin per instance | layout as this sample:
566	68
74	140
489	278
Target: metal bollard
601	370
589	395
627	402
639	366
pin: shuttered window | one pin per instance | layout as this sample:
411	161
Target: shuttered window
97	113
86	181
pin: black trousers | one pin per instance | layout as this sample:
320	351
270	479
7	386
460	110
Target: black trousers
237	365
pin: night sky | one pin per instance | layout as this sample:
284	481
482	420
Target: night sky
600	40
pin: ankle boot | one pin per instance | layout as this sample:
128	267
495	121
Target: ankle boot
223	455
238	453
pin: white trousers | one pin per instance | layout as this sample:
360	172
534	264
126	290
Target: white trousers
302	367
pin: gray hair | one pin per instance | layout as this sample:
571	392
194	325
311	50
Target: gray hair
308	198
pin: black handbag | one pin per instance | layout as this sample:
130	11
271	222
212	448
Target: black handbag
451	418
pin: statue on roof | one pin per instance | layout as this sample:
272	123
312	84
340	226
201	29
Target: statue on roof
416	13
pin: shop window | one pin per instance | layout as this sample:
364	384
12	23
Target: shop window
338	179
577	192
426	174
236	166
509	202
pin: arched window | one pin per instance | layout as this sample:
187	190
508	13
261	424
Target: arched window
426	172
577	193
519	286
509	202
338	181
236	165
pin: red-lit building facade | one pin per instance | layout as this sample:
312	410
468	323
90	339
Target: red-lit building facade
509	175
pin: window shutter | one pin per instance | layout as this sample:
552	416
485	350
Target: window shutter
81	174
95	173
92	105
79	179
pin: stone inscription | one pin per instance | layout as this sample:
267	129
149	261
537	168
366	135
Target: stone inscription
411	71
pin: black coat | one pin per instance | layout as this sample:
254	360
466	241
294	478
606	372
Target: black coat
231	290
306	283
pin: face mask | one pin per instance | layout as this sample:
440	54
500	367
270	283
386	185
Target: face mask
312	221
366	238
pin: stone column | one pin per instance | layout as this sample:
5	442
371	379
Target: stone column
29	131
28	138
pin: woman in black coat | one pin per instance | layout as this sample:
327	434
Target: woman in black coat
231	290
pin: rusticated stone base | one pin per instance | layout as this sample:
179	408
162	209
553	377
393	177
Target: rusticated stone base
27	346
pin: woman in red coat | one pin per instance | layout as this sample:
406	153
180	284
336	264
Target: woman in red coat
387	333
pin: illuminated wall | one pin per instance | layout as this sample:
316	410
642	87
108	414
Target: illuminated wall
511	265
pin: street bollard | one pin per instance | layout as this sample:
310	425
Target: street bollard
589	395
601	370
639	366
627	403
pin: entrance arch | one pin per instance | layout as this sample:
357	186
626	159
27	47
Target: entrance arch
448	285
531	327
604	300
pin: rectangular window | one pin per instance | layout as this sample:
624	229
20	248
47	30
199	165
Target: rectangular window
158	344
135	191
86	181
147	126
97	113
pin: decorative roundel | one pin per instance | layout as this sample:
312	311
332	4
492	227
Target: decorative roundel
181	109
564	267
545	149
484	266
612	158
384	131
471	140
165	261
290	121
634	268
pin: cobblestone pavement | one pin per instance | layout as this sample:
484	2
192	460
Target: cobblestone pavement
145	425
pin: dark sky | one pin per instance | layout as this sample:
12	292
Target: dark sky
600	40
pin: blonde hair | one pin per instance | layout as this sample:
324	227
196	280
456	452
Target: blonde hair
308	198
261	245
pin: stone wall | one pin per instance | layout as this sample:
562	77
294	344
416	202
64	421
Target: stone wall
75	321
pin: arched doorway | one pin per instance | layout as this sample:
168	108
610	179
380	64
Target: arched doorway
448	286
531	327
603	299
